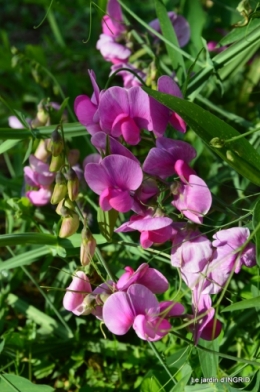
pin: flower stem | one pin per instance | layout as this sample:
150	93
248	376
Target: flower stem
157	354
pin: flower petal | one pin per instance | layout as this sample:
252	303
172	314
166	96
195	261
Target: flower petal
76	293
40	197
118	314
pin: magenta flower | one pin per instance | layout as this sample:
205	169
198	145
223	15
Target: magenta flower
111	50
112	24
114	179
161	159
191	196
86	109
228	256
147	190
160	114
168	86
152	229
180	25
100	141
191	252
113	29
38	175
137	308
125	112
76	293
205	326
144	275
15	123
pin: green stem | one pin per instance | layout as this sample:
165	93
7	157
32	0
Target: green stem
55	29
123	69
70	130
247	361
157	354
241	136
105	265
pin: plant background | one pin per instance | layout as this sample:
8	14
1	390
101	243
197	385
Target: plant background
42	342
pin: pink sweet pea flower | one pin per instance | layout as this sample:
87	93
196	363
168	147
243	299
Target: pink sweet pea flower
161	159
113	24
113	29
227	257
111	50
152	229
168	86
205	326
86	109
15	123
41	197
76	293
191	252
114	179
192	196
137	308
180	25
100	140
160	114
38	175
125	112
144	275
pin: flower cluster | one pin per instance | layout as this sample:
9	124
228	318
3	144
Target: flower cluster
139	183
117	116
116	44
131	302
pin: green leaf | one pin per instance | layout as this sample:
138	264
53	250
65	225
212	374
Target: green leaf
151	384
25	258
29	150
243	158
106	222
239	33
70	130
246	304
12	383
57	115
169	33
200	388
209	361
8	144
48	324
193	12
256	223
221	60
180	386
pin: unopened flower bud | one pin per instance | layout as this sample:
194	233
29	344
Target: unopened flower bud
64	203
69	225
56	144
42	115
73	184
42	152
217	142
87	247
60	189
56	163
73	156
